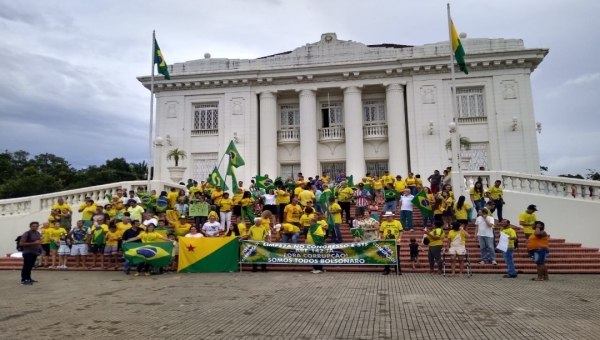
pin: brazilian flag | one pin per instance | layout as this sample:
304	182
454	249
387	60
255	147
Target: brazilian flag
235	159
391	194
216	180
234	182
162	203
156	254
421	201
147	201
159	60
265	183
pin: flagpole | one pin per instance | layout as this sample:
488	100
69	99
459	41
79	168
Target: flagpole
151	110
454	135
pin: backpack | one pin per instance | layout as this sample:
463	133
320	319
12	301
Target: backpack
516	241
18	240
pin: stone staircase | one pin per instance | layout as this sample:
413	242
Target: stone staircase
565	257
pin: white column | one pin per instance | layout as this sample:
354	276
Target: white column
268	134
398	157
308	133
355	151
158	158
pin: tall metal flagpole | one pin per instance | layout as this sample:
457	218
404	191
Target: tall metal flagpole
455	136
151	111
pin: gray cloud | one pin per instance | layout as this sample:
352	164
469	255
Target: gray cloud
68	69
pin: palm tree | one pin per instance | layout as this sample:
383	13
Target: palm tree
465	143
176	155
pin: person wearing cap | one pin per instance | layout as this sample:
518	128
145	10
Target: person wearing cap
181	226
527	220
390	229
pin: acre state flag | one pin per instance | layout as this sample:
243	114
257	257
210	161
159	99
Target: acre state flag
208	254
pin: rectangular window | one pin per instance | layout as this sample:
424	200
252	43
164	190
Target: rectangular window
289	116
469	103
333	169
206	119
376	168
203	164
332	114
289	170
374	112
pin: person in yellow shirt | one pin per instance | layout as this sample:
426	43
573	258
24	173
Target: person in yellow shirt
55	232
390	229
325	178
216	196
237	203
293	212
435	238
242	228
258	233
411	183
65	213
477	195
399	184
172	197
527	220
289	232
419	183
439	206
113	236
283	197
336	210
456	240
306	195
461	212
305	219
344	195
226	209
387	178
298	190
88	209
377	187
181	227
496	193
45	231
508	254
316	236
247	203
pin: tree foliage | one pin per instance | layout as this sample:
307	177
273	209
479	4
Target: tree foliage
24	175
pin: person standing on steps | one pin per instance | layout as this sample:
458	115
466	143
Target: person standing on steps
496	194
527	220
31	242
485	234
538	245
344	194
508	254
391	229
406	209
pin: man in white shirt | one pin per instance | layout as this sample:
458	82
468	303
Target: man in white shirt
149	219
132	197
485	235
212	228
406	210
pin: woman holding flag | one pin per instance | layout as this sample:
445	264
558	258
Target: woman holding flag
316	236
147	237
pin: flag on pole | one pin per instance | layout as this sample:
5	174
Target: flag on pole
265	183
234	182
216	180
159	60
421	201
457	49
235	159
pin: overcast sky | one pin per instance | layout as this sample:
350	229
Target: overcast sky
68	68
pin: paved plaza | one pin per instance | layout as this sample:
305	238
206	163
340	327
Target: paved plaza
297	305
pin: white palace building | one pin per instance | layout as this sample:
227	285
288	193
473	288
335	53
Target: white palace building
339	105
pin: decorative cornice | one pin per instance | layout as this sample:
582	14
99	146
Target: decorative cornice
352	89
307	92
267	95
394	87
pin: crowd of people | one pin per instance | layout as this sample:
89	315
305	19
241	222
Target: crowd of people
294	207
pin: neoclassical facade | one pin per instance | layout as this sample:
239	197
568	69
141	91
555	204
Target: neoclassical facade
341	105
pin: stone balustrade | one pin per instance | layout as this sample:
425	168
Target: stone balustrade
31	204
335	133
291	136
537	184
371	132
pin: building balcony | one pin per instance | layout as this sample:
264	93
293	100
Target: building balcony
289	136
375	132
336	134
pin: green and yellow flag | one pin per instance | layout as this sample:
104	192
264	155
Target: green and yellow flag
390	194
216	180
457	49
159	60
235	159
421	201
265	183
234	182
208	254
157	254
